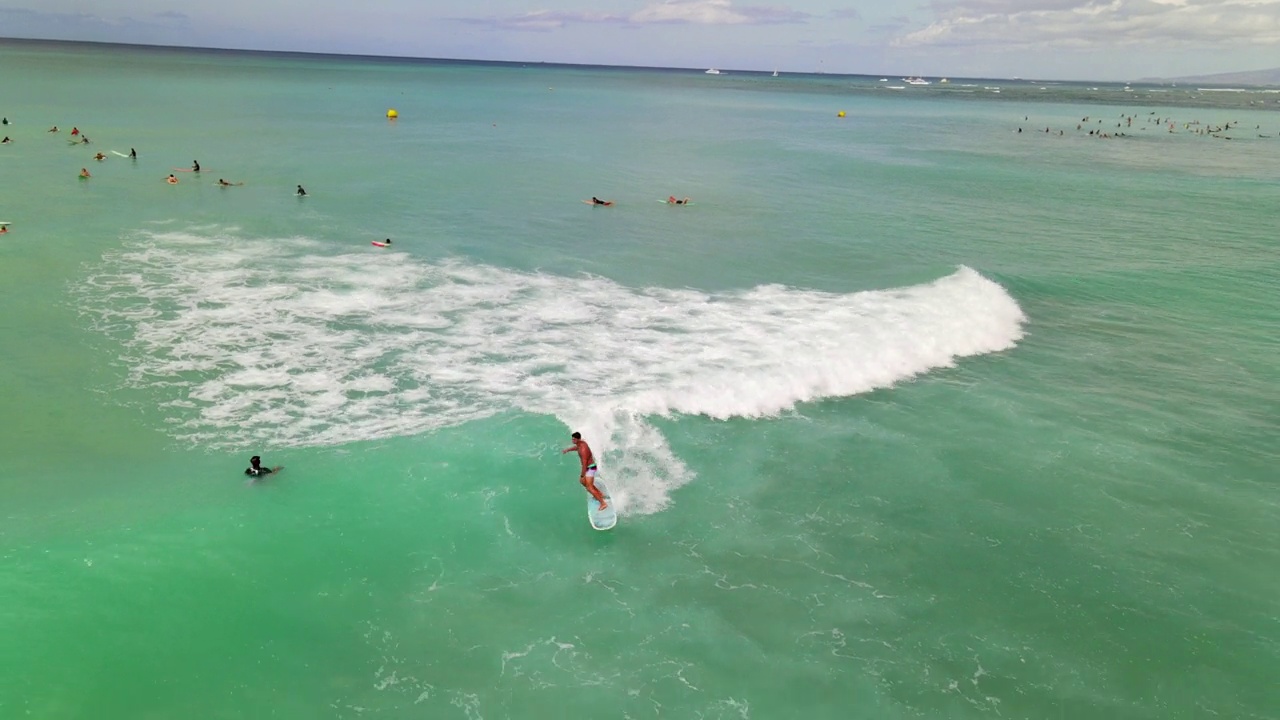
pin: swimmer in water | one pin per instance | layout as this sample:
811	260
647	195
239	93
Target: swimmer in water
53	129
4	229
5	141
671	200
99	157
84	172
597	201
75	131
171	179
301	192
256	471
224	183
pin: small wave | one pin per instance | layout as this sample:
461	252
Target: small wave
285	342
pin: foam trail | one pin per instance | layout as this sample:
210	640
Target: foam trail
284	342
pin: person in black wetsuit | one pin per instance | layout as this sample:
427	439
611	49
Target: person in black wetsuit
195	166
301	192
255	469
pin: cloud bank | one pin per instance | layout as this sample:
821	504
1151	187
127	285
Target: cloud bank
1093	23
670	12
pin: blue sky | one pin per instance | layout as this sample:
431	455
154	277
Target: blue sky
1045	39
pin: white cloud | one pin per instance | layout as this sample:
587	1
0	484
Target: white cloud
712	12
694	12
543	20
1097	23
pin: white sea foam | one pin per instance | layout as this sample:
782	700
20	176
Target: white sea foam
283	342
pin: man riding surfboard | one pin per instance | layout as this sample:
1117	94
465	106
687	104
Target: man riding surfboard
588	476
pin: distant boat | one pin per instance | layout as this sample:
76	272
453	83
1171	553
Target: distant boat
916	81
884	79
944	80
713	71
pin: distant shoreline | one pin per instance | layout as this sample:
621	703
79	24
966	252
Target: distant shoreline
1251	78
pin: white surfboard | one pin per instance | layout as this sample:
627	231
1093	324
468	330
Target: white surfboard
119	154
601	519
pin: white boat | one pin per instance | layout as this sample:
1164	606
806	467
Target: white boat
916	81
713	71
775	73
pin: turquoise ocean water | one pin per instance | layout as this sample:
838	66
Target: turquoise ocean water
909	415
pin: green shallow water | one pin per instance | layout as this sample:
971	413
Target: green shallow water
909	415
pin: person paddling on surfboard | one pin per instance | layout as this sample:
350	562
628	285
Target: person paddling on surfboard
588	477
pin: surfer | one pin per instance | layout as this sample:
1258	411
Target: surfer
53	129
75	131
224	183
171	179
671	200
588	476
301	192
597	201
99	157
5	141
133	154
255	469
4	229
84	172
195	166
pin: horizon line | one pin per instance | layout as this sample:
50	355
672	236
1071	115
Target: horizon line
523	63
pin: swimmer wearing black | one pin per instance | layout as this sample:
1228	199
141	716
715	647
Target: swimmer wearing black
255	469
195	166
301	192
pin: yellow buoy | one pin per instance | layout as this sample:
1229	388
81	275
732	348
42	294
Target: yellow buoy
840	114
392	114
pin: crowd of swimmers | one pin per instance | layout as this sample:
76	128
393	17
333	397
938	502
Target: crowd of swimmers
1194	127
82	139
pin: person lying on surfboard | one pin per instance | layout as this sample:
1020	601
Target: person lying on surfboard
597	201
224	183
671	200
588	476
255	469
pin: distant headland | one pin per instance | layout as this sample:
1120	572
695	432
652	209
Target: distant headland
1252	77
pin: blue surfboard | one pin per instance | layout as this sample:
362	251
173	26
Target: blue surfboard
601	519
